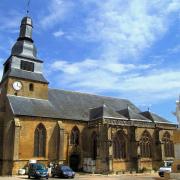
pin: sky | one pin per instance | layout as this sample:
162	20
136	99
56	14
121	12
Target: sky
125	49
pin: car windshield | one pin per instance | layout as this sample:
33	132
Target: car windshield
168	164
65	168
40	167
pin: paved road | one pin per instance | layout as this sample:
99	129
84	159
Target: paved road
99	177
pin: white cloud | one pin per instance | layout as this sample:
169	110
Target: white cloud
58	33
173	6
159	81
122	30
92	65
58	9
141	83
126	30
10	21
175	49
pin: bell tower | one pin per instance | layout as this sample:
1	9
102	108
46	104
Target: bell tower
23	71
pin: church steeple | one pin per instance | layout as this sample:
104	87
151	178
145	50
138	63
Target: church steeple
23	64
24	46
26	29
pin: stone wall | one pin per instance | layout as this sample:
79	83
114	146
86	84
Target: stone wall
25	144
19	144
40	89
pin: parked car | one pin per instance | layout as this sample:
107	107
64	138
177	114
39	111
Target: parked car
37	170
62	171
165	168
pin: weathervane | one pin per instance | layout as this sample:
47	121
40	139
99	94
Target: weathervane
28	5
145	106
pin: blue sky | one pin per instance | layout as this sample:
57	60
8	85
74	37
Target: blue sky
126	49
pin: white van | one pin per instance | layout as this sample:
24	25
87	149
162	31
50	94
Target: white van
166	168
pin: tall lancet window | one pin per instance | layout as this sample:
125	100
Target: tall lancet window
40	141
75	136
145	145
119	145
94	145
168	145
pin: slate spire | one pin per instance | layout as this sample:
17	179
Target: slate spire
24	46
26	29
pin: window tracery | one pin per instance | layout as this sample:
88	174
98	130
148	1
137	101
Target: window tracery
119	145
168	145
75	134
145	145
40	141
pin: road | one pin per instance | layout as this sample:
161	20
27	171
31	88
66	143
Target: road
99	177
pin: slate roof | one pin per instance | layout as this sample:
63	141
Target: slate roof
32	107
154	117
104	112
18	73
65	104
78	106
130	114
75	105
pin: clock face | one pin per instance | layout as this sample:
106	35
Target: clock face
17	85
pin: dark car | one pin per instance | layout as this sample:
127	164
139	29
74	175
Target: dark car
62	171
37	170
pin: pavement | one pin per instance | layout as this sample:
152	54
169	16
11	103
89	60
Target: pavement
147	176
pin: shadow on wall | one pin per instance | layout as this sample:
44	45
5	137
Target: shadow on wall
53	145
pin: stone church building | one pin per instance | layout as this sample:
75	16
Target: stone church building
78	129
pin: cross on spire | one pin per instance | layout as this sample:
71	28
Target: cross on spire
28	5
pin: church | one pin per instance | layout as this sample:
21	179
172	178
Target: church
87	132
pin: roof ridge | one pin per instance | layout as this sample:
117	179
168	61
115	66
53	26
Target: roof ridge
86	93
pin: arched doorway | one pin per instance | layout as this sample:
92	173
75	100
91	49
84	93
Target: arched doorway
74	161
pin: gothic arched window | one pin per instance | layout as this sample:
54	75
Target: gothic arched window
40	141
94	145
119	145
145	145
168	145
75	136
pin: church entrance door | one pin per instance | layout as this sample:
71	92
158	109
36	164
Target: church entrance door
74	162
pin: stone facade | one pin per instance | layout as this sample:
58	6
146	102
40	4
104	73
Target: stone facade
176	164
71	131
